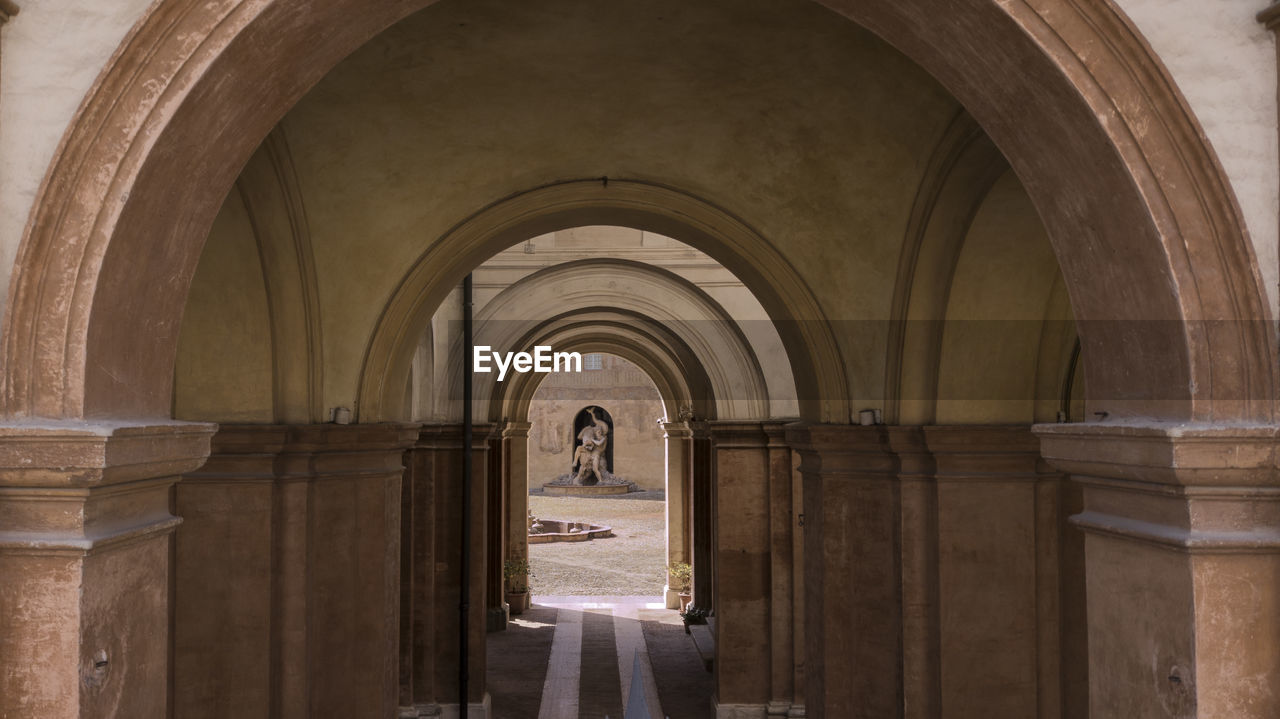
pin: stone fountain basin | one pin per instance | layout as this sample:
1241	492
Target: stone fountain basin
562	531
584	490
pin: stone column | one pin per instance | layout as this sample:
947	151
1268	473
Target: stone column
786	643
921	673
86	565
703	522
679	470
496	513
798	641
288	572
742	547
997	567
1182	558
853	605
440	447
515	468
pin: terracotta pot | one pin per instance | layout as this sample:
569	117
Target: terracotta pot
517	602
685	597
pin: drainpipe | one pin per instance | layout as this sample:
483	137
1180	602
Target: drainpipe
464	603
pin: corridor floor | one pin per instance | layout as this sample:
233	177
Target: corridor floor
573	657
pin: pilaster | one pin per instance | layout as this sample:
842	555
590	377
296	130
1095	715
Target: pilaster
288	570
741	548
998	566
438	461
1182	565
786	588
853	602
679	474
86	557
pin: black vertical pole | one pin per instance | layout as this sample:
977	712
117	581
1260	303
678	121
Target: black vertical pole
464	603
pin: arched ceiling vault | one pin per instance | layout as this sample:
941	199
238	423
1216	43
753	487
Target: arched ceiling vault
511	321
1156	260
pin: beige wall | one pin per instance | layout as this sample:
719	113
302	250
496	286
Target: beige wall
1224	63
1220	58
622	390
999	300
427	149
52	53
224	354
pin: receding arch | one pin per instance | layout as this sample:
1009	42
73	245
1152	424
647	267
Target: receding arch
1142	219
962	168
811	347
269	188
669	308
678	383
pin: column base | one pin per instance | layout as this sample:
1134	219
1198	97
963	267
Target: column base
738	711
495	618
671	597
778	708
475	710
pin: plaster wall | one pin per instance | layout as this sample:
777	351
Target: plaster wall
420	120
1224	63
995	313
1220	58
630	397
224	367
53	52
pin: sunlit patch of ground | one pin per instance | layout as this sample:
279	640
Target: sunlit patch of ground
630	563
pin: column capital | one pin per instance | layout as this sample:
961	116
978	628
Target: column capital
738	433
78	486
1176	454
84	454
449	435
674	430
842	449
7	10
1187	487
985	451
515	430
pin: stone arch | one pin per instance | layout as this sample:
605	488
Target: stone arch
1138	209
674	369
962	168
667	305
681	382
272	197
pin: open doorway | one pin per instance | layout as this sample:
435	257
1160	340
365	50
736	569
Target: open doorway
629	559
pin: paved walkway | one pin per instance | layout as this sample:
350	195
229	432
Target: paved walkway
575	658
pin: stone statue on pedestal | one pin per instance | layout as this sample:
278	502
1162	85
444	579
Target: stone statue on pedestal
589	458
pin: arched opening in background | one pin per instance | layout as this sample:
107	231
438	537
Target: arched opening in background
1143	227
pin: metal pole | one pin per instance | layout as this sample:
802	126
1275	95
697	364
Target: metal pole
464	603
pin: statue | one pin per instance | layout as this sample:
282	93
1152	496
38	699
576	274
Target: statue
589	456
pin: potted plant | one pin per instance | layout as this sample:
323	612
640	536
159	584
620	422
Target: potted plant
516	572
680	576
694	615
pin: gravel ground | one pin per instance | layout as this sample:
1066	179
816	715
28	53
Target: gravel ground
630	563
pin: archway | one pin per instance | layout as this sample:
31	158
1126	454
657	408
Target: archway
100	240
1154	259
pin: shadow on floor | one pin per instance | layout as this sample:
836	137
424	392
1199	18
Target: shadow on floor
572	657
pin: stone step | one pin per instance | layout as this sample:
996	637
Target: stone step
704	639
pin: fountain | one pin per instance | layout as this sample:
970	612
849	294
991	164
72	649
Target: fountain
542	531
589	473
